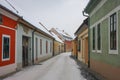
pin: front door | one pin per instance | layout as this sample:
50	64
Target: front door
86	51
25	51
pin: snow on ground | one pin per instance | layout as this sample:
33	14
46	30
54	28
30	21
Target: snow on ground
61	67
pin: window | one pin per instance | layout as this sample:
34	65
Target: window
36	48
93	38
6	47
79	45
50	46
0	19
98	37
46	46
113	36
40	46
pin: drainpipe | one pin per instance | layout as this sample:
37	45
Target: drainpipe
33	46
88	37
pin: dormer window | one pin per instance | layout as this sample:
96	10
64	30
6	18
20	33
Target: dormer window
1	19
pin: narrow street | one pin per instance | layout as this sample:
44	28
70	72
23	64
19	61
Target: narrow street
60	67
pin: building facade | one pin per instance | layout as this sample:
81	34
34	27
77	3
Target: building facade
34	45
43	47
82	42
22	42
8	23
58	44
65	37
74	47
104	19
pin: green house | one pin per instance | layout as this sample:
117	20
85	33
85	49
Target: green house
104	40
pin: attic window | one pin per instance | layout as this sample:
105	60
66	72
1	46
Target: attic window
0	19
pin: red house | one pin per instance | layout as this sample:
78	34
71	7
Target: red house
8	23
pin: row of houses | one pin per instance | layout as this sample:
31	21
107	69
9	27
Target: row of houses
97	40
22	43
65	37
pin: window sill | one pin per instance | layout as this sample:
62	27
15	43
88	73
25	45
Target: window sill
99	51
93	51
113	51
96	51
6	59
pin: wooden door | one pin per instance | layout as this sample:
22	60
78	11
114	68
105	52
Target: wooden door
25	51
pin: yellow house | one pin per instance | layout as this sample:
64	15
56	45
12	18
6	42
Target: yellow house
58	44
74	48
58	47
82	42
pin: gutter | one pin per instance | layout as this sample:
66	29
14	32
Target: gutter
33	46
88	38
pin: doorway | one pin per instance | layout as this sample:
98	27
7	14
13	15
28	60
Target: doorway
25	45
86	51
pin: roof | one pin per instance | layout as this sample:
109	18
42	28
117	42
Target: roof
56	38
82	27
64	34
91	5
32	22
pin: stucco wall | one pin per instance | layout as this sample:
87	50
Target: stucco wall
20	34
82	55
102	16
44	54
104	56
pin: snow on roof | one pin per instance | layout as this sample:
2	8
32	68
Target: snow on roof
36	24
11	8
64	34
18	12
57	38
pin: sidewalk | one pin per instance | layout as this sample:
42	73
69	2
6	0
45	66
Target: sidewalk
86	72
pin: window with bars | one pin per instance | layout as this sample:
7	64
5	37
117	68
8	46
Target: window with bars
113	36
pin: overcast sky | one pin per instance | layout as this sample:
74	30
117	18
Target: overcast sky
63	14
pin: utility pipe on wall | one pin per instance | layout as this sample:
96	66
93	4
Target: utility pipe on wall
88	37
33	46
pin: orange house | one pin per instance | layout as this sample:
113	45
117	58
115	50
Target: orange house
82	42
8	22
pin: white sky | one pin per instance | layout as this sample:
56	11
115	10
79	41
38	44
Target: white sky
63	14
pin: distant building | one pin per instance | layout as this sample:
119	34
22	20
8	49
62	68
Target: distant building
65	37
74	48
58	45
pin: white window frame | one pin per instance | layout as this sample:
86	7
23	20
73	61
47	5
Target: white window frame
95	39
8	36
96	35
98	51
113	51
